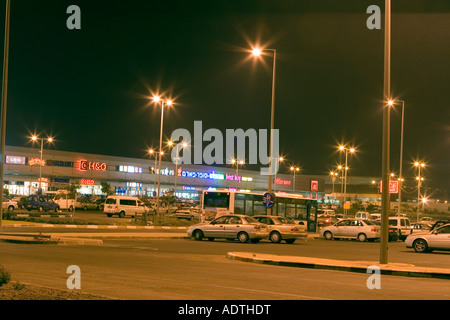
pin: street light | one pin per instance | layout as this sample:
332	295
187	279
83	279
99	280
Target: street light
280	159
237	163
35	138
333	179
294	170
169	103
183	145
419	179
347	150
258	52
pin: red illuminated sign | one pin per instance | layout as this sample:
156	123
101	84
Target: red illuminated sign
314	185
87	182
393	186
34	161
283	182
88	165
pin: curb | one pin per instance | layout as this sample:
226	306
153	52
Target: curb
394	269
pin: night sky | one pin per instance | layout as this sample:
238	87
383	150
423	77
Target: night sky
89	88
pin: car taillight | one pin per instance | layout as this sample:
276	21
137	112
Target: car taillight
327	220
374	229
294	229
257	227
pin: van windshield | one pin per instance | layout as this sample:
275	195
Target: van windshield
110	201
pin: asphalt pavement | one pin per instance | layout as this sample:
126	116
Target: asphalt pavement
95	234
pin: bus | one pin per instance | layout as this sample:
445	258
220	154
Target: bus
219	202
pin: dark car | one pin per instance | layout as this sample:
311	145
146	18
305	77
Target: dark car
40	203
100	203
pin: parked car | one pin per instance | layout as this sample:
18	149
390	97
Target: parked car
403	224
375	216
392	231
439	223
124	206
362	215
9	204
428	220
420	227
100	204
438	239
85	204
187	214
326	219
41	202
230	226
281	228
359	229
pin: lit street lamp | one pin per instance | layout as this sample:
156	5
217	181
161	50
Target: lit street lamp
419	179
258	52
49	140
294	171
183	145
347	150
280	159
167	103
237	163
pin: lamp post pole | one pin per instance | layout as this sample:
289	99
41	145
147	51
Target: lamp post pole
400	178
384	239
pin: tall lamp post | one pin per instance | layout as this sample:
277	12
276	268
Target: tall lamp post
280	159
167	103
333	179
419	179
257	53
294	170
237	163
183	145
49	140
153	152
347	150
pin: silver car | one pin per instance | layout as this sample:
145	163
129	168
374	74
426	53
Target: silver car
359	229
438	239
281	228
231	226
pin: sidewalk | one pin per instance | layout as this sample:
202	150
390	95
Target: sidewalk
395	269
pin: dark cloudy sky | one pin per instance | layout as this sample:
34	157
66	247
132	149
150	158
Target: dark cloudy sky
88	87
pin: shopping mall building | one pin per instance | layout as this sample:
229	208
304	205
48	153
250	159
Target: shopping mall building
24	170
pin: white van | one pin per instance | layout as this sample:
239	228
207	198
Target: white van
362	215
124	206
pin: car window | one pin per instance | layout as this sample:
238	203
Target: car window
402	222
356	223
110	201
370	223
220	220
286	220
392	222
234	220
250	220
408	224
445	229
343	223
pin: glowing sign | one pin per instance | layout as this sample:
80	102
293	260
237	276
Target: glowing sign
130	169
95	166
233	177
34	161
15	160
202	175
87	182
393	186
282	182
314	185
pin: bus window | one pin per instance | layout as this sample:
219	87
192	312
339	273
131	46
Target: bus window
239	206
281	209
249	207
290	210
216	200
258	208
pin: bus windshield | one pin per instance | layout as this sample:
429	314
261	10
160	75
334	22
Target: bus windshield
216	199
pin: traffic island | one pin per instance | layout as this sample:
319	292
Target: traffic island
27	238
394	269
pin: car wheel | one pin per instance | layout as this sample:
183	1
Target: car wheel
85	208
420	245
290	241
70	209
362	237
328	235
275	237
198	235
211	239
243	237
11	209
121	214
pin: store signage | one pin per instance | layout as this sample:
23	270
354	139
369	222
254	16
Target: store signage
58	163
393	186
247	179
43	179
201	175
314	185
282	182
87	182
61	180
130	169
15	160
190	188
34	161
233	177
89	165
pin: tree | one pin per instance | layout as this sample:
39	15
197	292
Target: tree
72	188
106	188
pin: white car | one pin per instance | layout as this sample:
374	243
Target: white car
359	229
438	239
402	224
9	205
230	226
281	228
